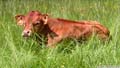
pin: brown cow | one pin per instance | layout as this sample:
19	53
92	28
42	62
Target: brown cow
56	29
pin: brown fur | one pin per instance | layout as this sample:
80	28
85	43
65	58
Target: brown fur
56	29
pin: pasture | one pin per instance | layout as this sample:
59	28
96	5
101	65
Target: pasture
16	52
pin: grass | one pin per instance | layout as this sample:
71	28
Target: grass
16	52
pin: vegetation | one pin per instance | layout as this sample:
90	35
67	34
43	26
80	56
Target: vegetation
16	52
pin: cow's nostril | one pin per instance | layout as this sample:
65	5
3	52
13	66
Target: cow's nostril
28	32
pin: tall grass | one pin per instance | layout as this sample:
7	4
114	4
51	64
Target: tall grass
16	52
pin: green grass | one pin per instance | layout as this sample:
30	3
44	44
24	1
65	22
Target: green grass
16	52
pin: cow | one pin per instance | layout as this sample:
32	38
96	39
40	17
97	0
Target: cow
57	29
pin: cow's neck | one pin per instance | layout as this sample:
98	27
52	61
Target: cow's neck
52	22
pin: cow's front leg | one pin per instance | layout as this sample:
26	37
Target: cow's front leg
53	41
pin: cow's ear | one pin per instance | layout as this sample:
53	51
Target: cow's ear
45	18
20	19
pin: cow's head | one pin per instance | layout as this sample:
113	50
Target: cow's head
33	22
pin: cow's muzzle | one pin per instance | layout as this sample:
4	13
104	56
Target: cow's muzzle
26	33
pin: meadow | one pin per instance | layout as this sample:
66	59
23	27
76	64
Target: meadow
16	52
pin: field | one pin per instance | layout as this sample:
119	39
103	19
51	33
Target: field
16	52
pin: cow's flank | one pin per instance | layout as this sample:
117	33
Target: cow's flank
57	29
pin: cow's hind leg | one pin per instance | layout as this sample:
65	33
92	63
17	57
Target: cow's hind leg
104	37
